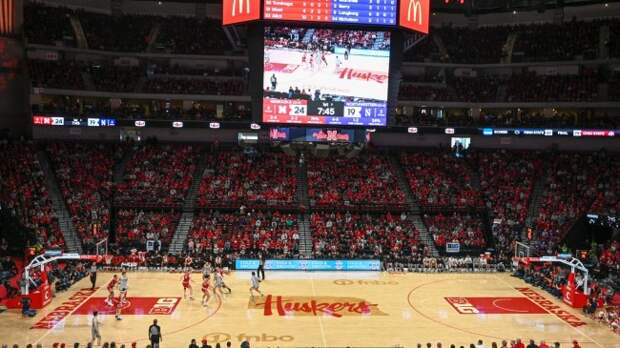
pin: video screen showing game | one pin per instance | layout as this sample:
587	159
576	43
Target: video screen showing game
325	76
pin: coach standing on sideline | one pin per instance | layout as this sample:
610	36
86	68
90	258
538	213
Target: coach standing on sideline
93	275
155	334
261	266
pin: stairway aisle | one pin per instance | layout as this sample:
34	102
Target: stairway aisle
302	184
187	219
72	240
415	213
305	236
425	235
535	201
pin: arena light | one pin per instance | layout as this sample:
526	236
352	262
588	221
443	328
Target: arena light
255	126
7	16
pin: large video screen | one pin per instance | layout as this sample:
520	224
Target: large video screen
325	76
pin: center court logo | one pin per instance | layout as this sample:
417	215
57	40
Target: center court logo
222	337
332	306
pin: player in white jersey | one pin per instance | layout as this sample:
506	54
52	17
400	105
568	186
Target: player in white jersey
219	283
122	287
94	330
207	269
337	64
254	283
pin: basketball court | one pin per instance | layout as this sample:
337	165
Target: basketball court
322	309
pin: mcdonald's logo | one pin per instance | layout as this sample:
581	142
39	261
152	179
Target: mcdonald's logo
414	15
415	9
241	7
239	11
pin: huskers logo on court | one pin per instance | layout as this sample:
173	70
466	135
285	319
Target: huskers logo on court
312	306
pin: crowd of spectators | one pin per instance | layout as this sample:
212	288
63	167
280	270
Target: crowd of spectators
607	201
166	85
465	229
136	227
571	181
113	78
362	180
84	175
244	233
437	178
247	176
24	193
126	33
350	236
557	42
63	275
474	46
158	175
191	36
519	87
48	25
530	87
506	183
56	74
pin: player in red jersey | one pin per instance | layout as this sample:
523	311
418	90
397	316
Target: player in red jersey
205	290
111	285
187	263
304	59
186	281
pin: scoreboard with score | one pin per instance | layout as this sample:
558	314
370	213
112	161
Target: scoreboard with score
369	12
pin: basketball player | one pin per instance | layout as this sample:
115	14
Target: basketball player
205	290
186	280
93	275
338	63
304	58
311	61
219	283
206	269
111	285
254	282
187	263
122	287
94	330
323	59
261	265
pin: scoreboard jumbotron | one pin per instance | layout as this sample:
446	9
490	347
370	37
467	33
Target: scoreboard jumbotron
327	63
